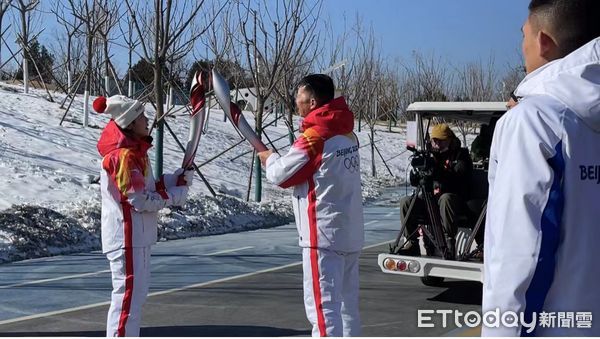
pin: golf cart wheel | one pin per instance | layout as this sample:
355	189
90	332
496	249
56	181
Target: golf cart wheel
432	281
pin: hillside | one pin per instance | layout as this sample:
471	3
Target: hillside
51	199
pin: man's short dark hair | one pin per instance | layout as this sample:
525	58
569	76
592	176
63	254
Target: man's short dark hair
320	86
573	23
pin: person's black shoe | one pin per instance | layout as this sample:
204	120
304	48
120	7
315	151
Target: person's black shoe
477	253
451	250
410	248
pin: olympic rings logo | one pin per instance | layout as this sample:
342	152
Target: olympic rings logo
352	163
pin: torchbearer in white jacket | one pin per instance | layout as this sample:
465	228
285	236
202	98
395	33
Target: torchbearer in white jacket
542	238
323	167
131	200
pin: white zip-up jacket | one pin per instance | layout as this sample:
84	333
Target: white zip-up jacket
323	167
130	196
542	236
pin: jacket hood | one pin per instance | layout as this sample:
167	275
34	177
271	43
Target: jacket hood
113	138
333	118
573	80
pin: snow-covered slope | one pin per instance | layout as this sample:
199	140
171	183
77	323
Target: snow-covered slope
53	171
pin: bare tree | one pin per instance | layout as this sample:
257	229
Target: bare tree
426	79
168	31
511	79
110	10
71	25
88	12
433	78
342	54
271	34
476	82
218	40
389	96
350	79
365	79
367	85
297	66
75	64
24	7
4	5
132	40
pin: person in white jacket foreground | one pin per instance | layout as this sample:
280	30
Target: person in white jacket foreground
323	167
131	200
542	238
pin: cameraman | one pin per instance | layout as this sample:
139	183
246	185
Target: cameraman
451	175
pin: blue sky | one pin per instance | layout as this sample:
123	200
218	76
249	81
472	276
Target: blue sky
457	30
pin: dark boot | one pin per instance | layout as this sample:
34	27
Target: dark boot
410	248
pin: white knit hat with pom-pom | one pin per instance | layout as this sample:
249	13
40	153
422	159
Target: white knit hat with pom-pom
122	109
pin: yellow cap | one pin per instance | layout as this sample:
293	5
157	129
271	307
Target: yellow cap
441	131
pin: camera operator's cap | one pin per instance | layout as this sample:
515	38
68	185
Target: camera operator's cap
441	132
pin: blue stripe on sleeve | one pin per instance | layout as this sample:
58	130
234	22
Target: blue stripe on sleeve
550	227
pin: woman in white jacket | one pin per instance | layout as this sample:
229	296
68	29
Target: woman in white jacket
131	200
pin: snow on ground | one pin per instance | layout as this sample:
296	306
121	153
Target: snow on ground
51	199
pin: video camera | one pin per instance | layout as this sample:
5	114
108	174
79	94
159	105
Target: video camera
423	164
422	160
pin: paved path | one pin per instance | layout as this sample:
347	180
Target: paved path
238	284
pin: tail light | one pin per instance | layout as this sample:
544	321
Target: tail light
411	266
389	264
401	265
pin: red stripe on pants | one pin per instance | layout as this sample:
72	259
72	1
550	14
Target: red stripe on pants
126	306
314	256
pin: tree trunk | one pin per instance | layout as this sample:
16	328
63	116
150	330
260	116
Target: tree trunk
258	128
158	87
129	74
106	69
170	98
88	81
290	119
373	171
1	31
86	107
69	69
25	56
159	96
359	119
25	74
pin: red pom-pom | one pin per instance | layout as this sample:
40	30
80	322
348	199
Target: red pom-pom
99	104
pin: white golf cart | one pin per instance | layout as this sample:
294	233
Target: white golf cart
436	263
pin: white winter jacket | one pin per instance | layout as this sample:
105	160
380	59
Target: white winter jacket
542	236
130	196
323	167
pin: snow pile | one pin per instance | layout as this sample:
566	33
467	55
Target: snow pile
221	215
35	231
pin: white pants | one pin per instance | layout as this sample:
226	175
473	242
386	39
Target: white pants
331	292
130	280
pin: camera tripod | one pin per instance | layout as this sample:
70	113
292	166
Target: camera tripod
433	233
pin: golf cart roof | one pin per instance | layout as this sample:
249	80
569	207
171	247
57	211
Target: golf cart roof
475	111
